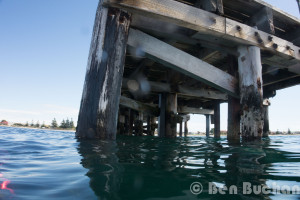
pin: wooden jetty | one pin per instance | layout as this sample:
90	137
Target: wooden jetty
154	62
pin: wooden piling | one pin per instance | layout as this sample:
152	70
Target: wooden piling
148	125
138	126
207	125
153	125
186	130
162	115
217	129
171	116
266	129
233	123
233	126
180	129
251	92
100	101
168	115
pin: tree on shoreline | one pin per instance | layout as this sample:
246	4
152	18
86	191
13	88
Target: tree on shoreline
54	123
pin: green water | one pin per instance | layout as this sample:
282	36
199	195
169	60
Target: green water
44	164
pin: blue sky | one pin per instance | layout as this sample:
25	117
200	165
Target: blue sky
44	47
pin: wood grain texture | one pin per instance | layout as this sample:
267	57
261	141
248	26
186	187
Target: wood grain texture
206	23
100	101
251	93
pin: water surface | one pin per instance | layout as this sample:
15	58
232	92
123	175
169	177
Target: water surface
45	164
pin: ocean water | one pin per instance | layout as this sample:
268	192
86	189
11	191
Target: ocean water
45	164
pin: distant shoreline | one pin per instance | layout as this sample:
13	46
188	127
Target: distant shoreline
65	130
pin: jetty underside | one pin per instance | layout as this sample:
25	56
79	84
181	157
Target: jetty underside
154	62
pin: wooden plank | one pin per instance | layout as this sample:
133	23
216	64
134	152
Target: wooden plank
190	110
159	87
150	109
100	102
208	23
183	62
174	12
244	34
251	92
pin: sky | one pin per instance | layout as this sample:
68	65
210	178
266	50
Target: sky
44	48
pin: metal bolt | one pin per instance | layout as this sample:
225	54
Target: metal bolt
270	38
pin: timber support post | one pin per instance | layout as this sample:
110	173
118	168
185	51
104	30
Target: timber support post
251	92
168	115
233	123
121	124
266	129
139	125
171	116
217	129
207	125
186	130
162	115
180	129
100	101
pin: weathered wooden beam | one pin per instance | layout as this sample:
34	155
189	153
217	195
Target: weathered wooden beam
263	20
138	106
207	125
183	62
251	92
100	102
217	129
214	6
208	23
159	87
189	110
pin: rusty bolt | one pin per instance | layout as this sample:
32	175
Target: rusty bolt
275	46
270	38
